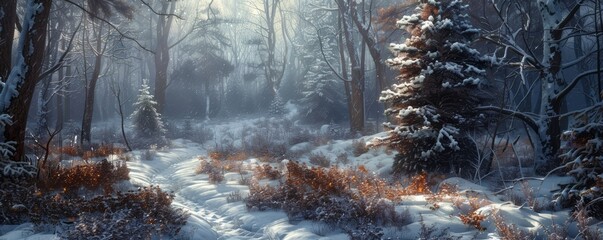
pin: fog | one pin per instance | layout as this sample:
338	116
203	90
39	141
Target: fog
313	119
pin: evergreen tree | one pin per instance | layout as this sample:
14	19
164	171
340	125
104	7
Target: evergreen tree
145	118
323	97
277	106
433	105
585	164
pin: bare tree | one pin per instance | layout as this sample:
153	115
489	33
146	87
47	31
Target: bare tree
98	50
355	85
546	61
17	91
162	51
8	21
273	63
117	93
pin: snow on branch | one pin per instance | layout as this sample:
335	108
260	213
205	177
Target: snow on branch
17	169
516	49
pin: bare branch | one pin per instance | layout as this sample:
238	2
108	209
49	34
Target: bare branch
570	15
111	25
529	120
61	61
162	14
573	83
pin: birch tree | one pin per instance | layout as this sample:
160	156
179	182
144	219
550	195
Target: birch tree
548	64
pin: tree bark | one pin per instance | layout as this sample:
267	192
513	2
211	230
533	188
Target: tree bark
373	48
8	19
552	85
162	53
344	69
90	90
32	44
357	81
52	50
60	100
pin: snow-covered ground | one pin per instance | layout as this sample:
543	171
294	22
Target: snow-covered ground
212	216
215	215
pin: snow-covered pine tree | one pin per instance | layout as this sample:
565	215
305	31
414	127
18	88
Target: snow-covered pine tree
585	164
322	100
322	95
277	106
439	86
147	122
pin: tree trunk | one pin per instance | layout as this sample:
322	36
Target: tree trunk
43	101
357	81
552	84
373	49
162	53
67	97
24	75
8	19
60	113
90	90
344	70
52	50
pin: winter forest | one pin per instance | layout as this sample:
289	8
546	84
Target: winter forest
301	119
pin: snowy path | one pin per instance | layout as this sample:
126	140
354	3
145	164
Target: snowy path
173	170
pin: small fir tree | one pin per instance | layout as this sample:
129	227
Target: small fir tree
433	105
145	118
277	106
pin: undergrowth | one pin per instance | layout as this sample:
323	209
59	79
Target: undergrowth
353	200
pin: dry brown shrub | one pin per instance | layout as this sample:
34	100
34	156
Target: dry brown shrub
264	197
90	176
68	150
583	218
343	159
466	204
359	147
206	167
237	156
345	198
530	196
216	177
232	166
134	215
213	168
100	151
510	231
234	196
266	171
418	185
474	219
217	155
319	159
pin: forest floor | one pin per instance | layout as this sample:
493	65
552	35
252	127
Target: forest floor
218	210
